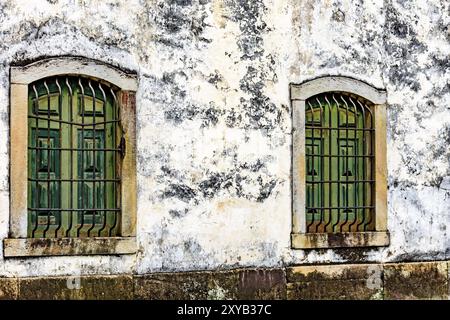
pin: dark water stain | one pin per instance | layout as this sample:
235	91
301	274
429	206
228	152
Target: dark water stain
208	116
180	191
235	182
402	44
178	213
265	189
257	111
214	183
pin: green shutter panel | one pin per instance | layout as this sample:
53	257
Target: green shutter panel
45	165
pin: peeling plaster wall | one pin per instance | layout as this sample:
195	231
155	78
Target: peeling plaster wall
213	119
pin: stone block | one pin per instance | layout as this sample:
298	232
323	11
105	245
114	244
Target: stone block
88	287
421	280
261	284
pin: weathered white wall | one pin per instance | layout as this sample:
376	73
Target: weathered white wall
213	116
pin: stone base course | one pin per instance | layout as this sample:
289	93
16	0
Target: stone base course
416	280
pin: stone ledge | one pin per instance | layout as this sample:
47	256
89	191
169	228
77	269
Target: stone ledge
340	240
68	246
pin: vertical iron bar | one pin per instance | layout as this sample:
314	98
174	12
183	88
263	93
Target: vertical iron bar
71	213
312	199
94	193
339	164
116	115
82	158
321	168
364	177
330	176
346	171
59	156
372	142
48	161
37	160
105	184
355	175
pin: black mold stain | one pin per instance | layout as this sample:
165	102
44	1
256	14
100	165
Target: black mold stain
208	116
235	182
442	147
253	167
401	76
180	191
215	78
419	256
400	29
214	183
402	44
191	246
441	64
338	15
178	213
258	111
265	189
177	23
248	13
168	172
181	2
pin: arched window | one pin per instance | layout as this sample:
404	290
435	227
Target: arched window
339	166
73	170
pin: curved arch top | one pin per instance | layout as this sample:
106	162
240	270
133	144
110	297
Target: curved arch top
73	66
337	83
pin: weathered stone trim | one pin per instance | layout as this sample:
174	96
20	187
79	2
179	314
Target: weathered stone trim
299	94
19	160
412	280
21	77
129	184
298	167
380	115
73	66
339	240
316	86
68	246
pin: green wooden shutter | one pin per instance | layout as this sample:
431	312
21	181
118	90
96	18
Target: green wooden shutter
339	163
73	160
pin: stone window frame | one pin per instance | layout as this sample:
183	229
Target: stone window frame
17	244
299	93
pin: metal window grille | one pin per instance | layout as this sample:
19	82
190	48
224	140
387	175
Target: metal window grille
339	145
75	145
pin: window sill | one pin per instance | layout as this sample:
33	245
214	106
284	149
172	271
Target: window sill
340	240
39	247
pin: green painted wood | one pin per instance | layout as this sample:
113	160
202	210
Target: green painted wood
72	165
341	174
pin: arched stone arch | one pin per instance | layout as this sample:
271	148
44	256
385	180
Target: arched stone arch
73	66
